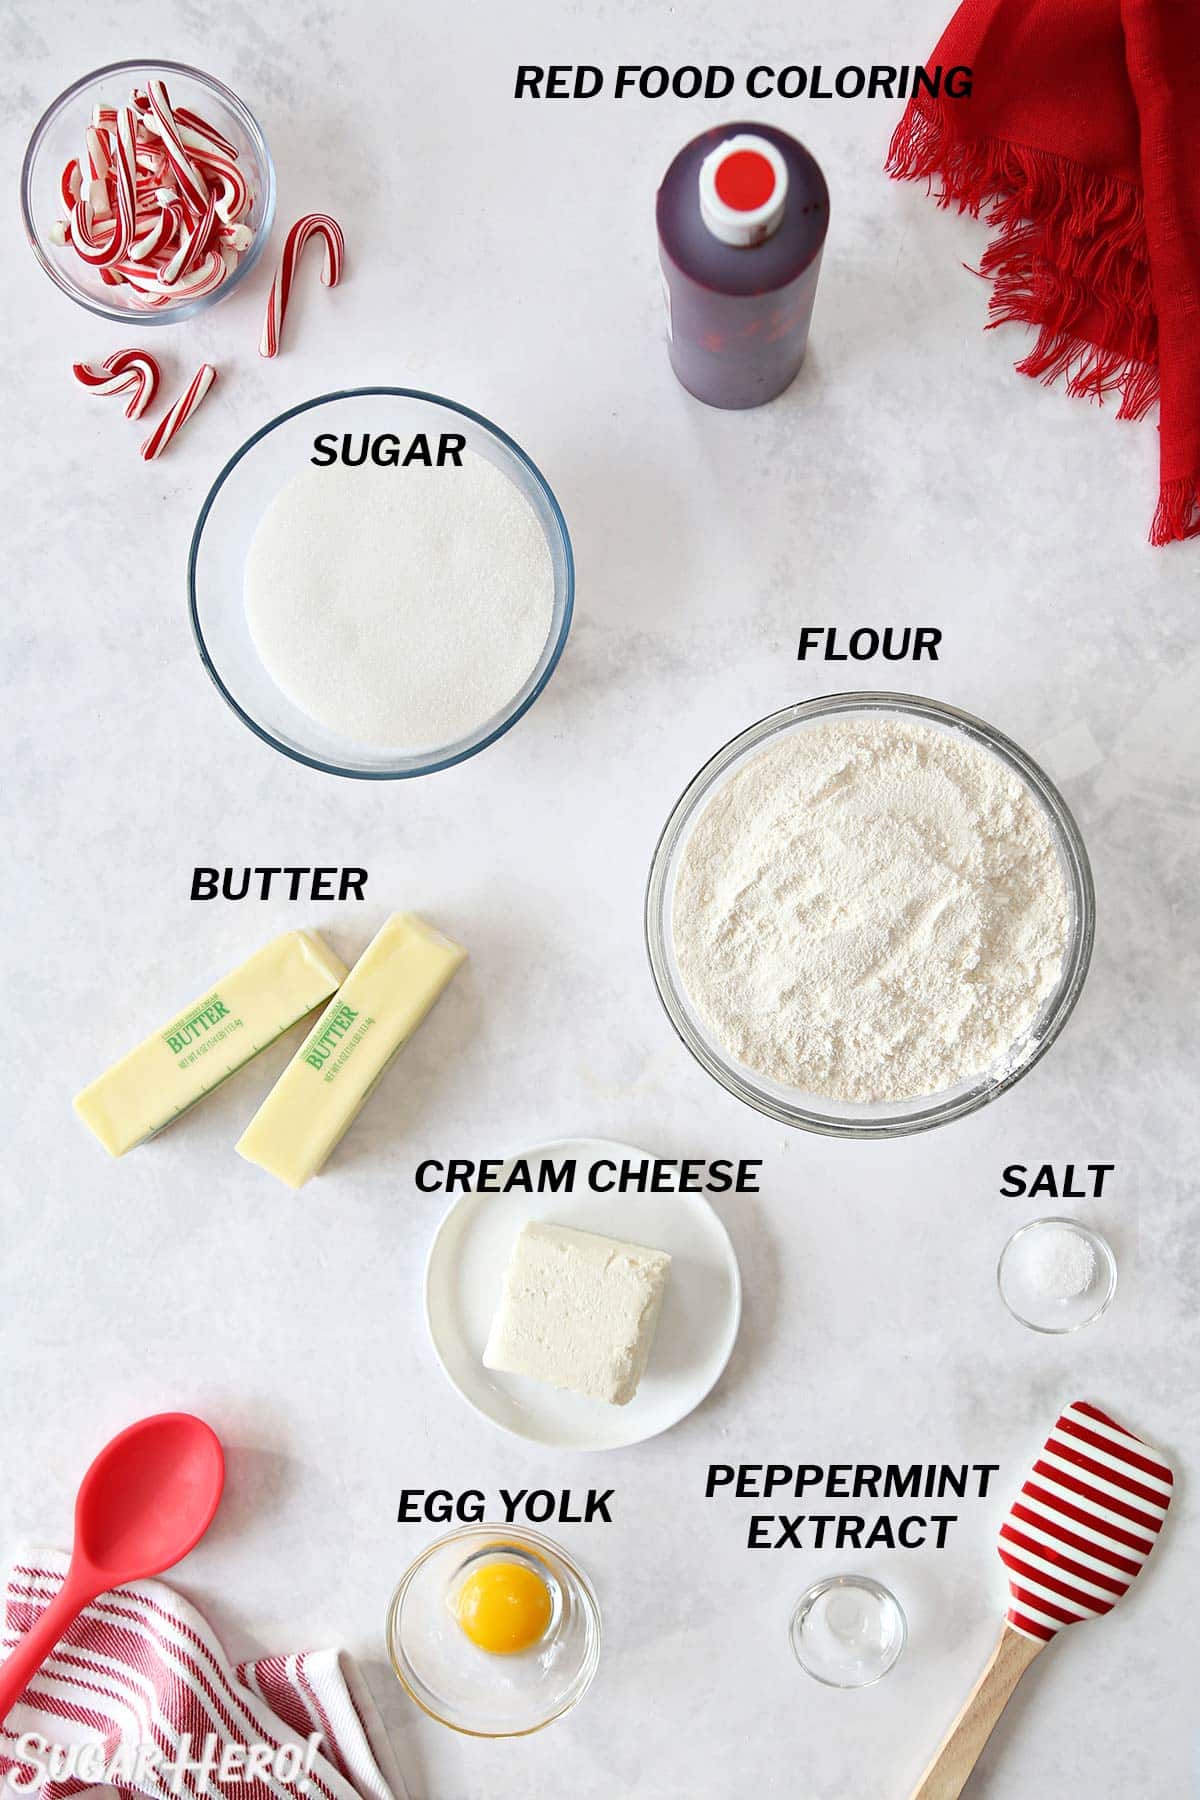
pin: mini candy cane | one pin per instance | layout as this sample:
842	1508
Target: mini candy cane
98	200
234	196
194	189
191	245
156	236
124	370
208	274
311	225
91	246
201	127
126	166
99	159
180	413
140	275
71	184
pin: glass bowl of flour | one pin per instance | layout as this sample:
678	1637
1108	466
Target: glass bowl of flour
381	583
869	914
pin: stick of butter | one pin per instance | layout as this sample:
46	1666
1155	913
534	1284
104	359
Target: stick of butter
321	1092
210	1040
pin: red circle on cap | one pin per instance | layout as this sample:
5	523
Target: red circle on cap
745	180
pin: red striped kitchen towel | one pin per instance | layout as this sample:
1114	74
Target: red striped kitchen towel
1080	143
141	1667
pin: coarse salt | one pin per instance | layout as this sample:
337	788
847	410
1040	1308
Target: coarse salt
1059	1263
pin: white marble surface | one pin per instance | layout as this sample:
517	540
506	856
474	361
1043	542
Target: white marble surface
504	254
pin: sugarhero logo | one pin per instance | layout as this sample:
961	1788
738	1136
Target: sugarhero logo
36	1761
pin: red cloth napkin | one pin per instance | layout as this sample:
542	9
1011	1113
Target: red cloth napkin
142	1667
1081	144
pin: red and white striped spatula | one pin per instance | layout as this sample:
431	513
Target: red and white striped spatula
1075	1537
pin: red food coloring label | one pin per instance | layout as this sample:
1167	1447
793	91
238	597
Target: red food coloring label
745	181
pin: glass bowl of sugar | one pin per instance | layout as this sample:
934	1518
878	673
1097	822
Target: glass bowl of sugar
381	583
869	914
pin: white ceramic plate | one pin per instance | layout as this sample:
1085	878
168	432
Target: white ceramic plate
696	1329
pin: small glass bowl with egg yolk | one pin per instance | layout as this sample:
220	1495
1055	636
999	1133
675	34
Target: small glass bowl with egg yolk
494	1632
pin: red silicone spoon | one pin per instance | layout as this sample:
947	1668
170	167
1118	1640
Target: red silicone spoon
147	1500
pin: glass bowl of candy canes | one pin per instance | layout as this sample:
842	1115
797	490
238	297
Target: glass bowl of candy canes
147	192
381	583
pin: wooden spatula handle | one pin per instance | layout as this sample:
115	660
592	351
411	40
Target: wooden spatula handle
960	1749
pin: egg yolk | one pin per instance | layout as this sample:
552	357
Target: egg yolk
503	1607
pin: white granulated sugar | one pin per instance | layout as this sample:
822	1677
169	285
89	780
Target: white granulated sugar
402	608
870	909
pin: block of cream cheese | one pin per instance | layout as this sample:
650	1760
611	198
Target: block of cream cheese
209	1040
382	1001
578	1311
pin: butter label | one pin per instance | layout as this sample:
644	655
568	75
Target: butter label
198	1030
274	989
334	1041
386	995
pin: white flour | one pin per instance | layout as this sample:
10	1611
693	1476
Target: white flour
401	608
870	910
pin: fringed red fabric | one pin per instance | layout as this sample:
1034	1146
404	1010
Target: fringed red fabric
1095	214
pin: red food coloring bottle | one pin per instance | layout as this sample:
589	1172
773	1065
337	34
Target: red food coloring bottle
742	216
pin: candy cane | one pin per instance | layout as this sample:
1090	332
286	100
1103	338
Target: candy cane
180	413
191	245
126	184
156	204
98	200
91	247
146	277
203	129
124	370
208	274
98	152
311	225
193	187
71	184
234	196
164	223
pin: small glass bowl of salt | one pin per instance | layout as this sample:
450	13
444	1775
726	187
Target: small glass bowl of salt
1056	1275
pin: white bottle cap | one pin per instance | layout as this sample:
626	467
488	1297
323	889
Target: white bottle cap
743	189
